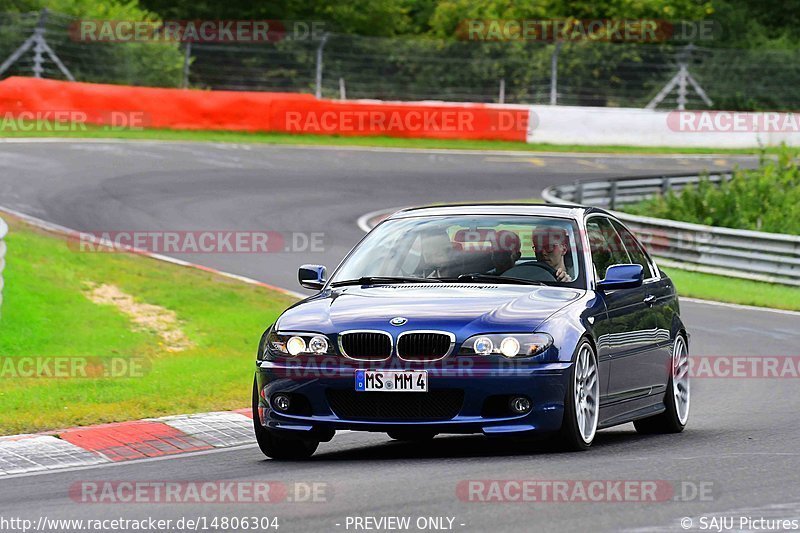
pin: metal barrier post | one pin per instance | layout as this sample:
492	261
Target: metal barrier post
612	196
665	185
577	196
554	74
318	90
187	60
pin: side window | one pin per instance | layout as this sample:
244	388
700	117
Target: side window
634	249
606	247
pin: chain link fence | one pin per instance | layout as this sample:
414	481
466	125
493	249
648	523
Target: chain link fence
348	66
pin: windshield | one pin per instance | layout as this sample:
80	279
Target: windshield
485	249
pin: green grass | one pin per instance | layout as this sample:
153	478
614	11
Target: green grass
375	141
45	313
734	290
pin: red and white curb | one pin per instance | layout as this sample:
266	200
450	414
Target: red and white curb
124	441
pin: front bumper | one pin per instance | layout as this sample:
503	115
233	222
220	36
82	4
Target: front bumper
314	385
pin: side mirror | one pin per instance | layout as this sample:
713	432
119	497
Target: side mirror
621	277
312	276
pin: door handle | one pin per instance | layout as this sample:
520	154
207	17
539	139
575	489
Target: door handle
650	300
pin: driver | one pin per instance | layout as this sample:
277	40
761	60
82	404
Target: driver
551	244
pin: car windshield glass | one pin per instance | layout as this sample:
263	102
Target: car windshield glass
479	249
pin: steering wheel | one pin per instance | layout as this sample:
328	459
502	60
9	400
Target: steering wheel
534	271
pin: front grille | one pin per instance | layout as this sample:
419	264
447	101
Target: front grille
423	345
366	345
431	405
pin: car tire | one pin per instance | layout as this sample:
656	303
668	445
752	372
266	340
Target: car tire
677	398
581	401
276	446
413	436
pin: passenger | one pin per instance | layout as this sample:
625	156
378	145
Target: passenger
438	256
551	244
506	252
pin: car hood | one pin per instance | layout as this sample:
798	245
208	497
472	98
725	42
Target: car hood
462	309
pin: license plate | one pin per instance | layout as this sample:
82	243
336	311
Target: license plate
391	380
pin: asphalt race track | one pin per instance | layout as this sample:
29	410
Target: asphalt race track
742	434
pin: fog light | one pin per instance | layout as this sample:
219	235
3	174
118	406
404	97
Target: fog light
520	405
280	402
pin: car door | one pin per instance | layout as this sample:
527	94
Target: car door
662	301
638	367
605	253
628	337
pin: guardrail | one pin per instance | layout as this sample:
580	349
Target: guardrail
771	257
3	232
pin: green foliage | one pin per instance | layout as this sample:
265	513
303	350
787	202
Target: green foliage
114	10
765	199
131	63
759	74
449	13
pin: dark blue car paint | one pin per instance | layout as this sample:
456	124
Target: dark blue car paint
632	331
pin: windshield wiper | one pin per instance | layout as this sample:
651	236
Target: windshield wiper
492	279
384	280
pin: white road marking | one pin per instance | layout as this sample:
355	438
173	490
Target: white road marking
122	463
21	454
148	459
740	306
219	429
440	151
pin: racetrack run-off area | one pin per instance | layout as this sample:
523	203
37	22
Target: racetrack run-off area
741	433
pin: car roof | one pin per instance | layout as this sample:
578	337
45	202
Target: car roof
572	211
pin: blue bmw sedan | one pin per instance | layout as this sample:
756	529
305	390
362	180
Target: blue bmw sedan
504	319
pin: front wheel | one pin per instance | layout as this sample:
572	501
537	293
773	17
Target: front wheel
677	398
582	402
275	446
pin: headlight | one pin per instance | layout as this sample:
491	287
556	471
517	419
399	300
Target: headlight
483	346
294	344
318	345
511	345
